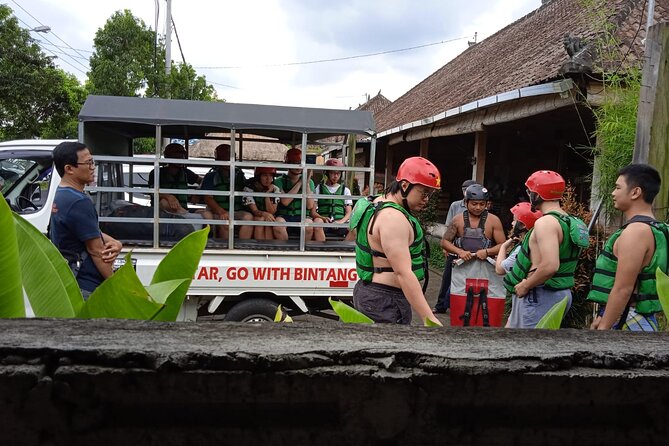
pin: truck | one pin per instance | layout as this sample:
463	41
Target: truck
236	280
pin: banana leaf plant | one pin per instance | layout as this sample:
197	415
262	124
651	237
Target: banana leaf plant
662	281
52	290
553	318
348	314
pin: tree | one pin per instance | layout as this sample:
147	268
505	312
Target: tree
35	96
128	62
184	83
124	55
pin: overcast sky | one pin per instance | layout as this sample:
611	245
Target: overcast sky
253	35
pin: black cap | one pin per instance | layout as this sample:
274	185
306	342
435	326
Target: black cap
477	192
468	183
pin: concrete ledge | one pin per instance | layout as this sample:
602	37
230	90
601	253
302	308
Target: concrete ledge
113	382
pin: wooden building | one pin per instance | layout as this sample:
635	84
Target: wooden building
516	102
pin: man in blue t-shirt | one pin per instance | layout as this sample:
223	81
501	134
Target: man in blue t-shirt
74	227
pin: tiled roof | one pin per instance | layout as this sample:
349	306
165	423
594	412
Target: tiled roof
376	104
530	51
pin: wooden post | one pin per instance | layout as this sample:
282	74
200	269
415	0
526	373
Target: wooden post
480	150
424	144
652	129
390	160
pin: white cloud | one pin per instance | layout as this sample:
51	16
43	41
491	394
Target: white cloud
264	32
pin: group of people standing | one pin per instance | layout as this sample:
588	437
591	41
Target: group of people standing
538	260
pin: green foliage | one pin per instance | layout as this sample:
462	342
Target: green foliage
122	63
53	291
553	318
180	263
184	83
428	216
45	274
620	87
436	259
127	61
144	145
122	296
580	312
36	98
616	131
663	290
428	323
348	314
11	296
280	316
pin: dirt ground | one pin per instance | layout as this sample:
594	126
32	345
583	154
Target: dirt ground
431	296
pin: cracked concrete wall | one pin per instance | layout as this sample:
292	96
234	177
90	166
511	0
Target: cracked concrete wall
114	382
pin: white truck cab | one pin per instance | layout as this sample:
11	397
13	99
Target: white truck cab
237	280
28	180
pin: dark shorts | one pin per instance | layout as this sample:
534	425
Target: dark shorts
336	232
381	303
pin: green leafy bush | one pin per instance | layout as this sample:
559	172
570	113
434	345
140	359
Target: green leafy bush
52	289
436	259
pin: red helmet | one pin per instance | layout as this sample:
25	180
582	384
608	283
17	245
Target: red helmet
260	170
418	170
334	162
523	213
546	184
294	156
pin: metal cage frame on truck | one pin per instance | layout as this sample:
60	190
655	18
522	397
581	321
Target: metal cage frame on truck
108	125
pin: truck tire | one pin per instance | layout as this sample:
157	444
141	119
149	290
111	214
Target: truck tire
252	310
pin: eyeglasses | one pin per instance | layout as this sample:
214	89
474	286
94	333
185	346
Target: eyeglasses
90	163
426	194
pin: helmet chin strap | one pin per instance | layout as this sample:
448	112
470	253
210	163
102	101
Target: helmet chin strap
535	200
405	194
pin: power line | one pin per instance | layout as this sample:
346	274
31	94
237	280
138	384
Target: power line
224	85
54	34
64	53
336	59
56	56
176	34
63	47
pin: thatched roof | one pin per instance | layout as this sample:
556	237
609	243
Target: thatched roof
252	150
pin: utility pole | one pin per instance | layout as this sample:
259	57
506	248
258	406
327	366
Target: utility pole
652	129
168	38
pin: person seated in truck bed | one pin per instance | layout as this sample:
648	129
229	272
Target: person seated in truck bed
177	176
335	210
264	208
290	209
218	179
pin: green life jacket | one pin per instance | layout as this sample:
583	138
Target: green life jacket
178	181
295	206
645	297
221	183
332	208
362	220
574	237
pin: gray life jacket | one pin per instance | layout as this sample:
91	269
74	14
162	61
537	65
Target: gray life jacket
473	239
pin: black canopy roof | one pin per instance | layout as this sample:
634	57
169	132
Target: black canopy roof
135	117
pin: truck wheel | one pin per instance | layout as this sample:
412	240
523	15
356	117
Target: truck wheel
252	310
